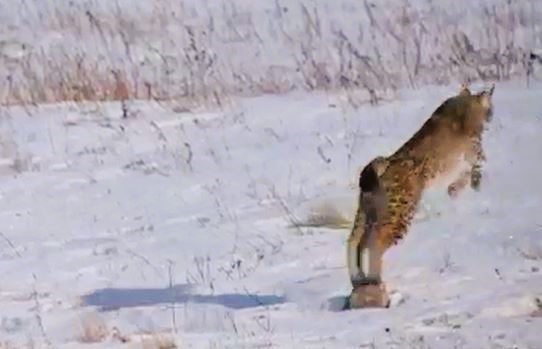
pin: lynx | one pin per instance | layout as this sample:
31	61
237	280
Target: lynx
448	145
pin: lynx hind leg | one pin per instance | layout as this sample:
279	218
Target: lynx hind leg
369	184
364	255
365	261
353	243
402	202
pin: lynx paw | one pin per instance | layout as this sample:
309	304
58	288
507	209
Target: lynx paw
369	296
476	178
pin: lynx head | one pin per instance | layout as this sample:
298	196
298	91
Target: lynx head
478	106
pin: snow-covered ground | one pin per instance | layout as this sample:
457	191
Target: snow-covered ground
180	224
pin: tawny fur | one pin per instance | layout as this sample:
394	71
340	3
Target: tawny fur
448	145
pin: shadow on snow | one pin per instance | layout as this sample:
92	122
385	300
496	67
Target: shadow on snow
116	298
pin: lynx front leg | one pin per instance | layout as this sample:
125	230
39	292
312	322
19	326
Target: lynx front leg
460	183
476	176
473	175
479	158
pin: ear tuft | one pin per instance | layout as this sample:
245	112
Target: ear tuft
464	90
485	96
491	90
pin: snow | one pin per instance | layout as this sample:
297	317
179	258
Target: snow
181	223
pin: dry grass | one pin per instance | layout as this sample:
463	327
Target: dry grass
6	345
538	311
326	215
158	341
9	345
175	50
94	329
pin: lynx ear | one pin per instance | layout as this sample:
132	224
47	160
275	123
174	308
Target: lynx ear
485	96
489	91
464	90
